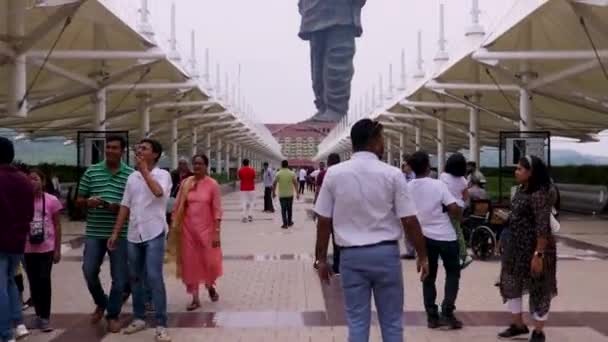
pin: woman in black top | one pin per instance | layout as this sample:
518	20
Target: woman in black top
529	256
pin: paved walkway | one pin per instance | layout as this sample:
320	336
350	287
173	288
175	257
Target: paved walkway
270	291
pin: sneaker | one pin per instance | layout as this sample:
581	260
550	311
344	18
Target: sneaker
284	227
44	325
291	224
114	326
451	322
21	332
250	219
514	331
537	336
135	327
162	335
433	321
244	220
97	315
466	262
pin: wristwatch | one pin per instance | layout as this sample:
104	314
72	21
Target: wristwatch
539	254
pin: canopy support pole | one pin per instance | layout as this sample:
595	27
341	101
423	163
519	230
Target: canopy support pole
418	132
100	110
144	117
17	83
441	142
194	141
218	157
174	142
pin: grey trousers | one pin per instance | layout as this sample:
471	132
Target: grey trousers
332	52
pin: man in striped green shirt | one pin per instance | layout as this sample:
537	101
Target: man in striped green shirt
101	189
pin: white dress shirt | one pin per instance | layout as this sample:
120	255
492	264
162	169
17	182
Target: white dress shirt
366	198
302	175
147	219
431	196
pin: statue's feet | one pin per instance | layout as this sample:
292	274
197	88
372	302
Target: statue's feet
327	116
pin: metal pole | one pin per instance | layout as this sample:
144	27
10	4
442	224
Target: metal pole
194	143
441	142
227	151
402	151
144	117
418	133
15	19
174	157
389	151
526	122
218	157
100	111
208	148
474	148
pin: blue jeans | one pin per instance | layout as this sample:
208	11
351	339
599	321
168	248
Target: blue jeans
146	260
10	300
94	252
374	269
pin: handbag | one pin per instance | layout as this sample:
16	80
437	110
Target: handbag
553	222
37	233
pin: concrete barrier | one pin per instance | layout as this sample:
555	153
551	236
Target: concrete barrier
589	199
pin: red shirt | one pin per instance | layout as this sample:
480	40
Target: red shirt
247	178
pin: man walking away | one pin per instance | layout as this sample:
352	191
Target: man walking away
285	181
144	203
17	211
100	190
268	179
302	180
247	177
435	206
369	205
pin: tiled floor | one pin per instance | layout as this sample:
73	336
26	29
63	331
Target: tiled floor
270	292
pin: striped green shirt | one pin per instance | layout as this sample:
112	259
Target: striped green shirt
99	181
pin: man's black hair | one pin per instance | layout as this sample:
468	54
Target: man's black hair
333	159
265	164
245	162
284	164
363	132
456	165
419	162
7	151
119	138
156	147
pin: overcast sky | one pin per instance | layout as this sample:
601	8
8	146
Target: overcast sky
261	36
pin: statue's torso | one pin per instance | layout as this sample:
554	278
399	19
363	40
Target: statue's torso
318	15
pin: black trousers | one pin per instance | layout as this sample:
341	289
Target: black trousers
449	253
286	210
38	268
302	187
268	199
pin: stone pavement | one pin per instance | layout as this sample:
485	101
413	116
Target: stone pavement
270	291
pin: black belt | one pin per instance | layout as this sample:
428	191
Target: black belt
381	243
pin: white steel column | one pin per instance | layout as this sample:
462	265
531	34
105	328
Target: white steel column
100	110
208	150
441	142
144	117
526	118
17	83
402	151
218	157
194	141
239	155
227	151
419	133
474	148
174	156
389	151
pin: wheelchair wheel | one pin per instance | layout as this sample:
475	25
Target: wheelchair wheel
483	242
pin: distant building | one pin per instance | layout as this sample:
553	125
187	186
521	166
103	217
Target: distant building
300	142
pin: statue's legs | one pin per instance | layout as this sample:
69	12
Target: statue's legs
332	53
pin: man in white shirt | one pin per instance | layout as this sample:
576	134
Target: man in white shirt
144	203
435	205
302	181
369	205
268	178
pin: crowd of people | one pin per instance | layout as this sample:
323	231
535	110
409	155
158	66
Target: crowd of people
365	205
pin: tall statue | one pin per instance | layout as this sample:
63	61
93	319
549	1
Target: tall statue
331	27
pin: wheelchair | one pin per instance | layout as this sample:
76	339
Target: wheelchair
482	226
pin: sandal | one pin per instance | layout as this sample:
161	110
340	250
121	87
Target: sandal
193	306
213	295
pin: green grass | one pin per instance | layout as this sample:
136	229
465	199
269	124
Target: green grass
492	186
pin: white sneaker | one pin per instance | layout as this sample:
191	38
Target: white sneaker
135	326
21	332
162	335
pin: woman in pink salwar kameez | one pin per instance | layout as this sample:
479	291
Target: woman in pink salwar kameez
196	232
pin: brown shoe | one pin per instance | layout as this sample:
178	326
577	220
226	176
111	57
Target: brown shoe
97	315
114	326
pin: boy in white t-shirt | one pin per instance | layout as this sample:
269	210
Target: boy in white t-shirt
453	177
436	206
